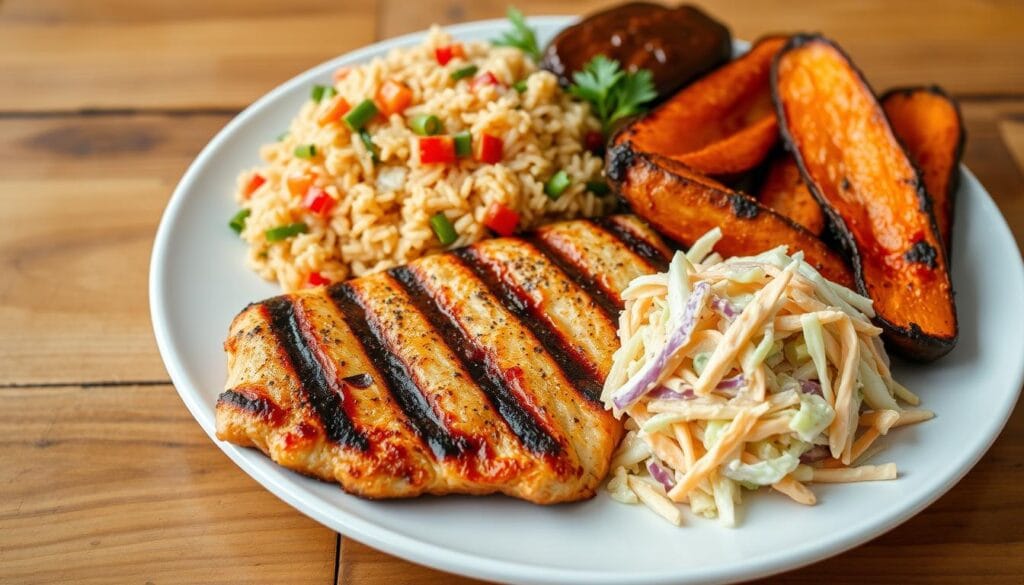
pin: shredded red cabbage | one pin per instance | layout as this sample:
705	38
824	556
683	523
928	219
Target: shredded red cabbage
661	474
723	306
811	387
644	381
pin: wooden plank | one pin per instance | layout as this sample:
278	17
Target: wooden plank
969	47
70	55
80	199
972	535
120	485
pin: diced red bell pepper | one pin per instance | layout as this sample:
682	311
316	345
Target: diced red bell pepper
317	279
448	52
335	110
594	141
501	220
484	79
393	97
254	183
436	150
318	201
489	149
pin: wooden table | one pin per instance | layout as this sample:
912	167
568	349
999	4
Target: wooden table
107	479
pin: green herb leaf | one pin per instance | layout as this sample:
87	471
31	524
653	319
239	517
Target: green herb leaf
521	36
613	93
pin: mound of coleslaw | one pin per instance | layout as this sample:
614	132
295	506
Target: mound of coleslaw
743	373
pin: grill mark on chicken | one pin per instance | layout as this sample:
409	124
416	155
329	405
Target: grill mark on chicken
641	247
520	421
574	366
608	305
395	373
321	391
254	402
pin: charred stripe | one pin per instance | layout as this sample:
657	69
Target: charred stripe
576	368
253	403
522	424
397	377
322	392
609	306
637	244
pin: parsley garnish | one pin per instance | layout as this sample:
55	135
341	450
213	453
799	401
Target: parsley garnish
521	36
613	93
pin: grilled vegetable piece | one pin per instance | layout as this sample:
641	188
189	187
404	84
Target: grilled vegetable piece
684	204
927	121
785	192
721	124
675	44
474	372
866	183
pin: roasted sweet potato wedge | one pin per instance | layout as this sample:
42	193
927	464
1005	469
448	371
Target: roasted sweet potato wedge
721	124
927	120
683	205
784	192
857	170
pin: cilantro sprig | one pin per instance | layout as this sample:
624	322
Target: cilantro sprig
613	93
521	36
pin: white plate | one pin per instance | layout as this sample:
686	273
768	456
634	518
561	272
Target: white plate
198	283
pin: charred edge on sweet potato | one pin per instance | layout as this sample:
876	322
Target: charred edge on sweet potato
928	122
722	124
684	204
872	194
784	191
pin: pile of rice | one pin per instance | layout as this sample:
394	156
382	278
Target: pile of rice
382	215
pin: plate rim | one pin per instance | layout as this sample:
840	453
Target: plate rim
440	557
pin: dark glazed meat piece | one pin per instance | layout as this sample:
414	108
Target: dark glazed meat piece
675	44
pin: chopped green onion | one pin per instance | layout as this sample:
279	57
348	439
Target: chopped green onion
283	135
443	229
425	124
322	92
519	86
463	144
286	231
598	188
467	71
557	185
361	115
237	222
306	151
370	146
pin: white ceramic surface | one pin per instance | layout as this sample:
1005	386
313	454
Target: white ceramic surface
198	283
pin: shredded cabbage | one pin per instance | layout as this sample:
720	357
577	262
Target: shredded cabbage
814	416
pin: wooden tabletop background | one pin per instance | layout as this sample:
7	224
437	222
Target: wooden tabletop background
105	477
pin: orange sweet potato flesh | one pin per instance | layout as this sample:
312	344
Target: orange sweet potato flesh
927	121
684	204
785	192
721	124
872	193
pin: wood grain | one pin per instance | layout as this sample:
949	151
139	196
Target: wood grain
120	485
167	54
102	106
80	199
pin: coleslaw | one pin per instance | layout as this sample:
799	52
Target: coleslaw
747	372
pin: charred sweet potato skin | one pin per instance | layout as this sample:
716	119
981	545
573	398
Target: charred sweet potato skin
683	205
785	192
676	44
722	124
927	121
871	192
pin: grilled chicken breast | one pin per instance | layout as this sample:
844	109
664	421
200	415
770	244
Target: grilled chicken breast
473	372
